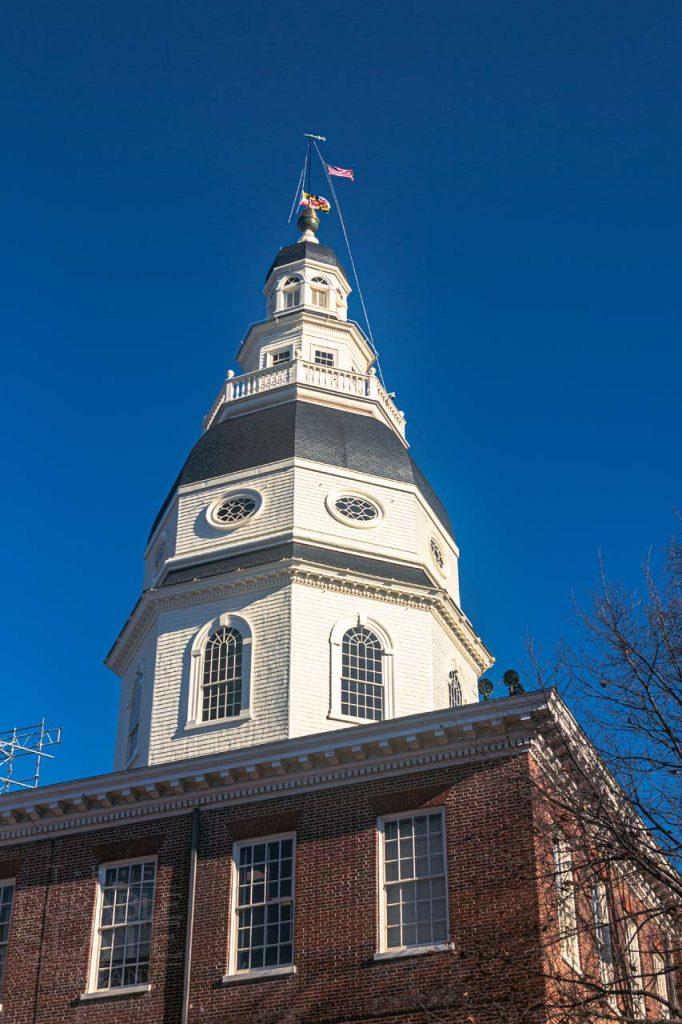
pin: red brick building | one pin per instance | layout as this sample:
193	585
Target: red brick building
463	776
313	818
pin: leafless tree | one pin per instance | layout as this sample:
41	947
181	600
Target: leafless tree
607	943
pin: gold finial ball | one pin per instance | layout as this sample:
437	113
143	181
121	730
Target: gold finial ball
308	220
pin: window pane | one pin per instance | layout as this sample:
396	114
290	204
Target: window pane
222	681
415	906
264	909
125	925
362	689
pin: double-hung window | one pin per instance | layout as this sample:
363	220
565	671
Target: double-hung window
283	356
413	901
122	941
564	885
660	985
262	932
634	962
323	358
603	936
6	900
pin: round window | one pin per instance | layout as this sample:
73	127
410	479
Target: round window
356	508
437	554
233	509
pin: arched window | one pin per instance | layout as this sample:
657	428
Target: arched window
362	675
134	705
320	292
221	690
454	688
291	291
220	673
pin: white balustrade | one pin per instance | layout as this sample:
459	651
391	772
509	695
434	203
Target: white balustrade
327	378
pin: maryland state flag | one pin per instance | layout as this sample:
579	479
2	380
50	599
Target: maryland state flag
316	202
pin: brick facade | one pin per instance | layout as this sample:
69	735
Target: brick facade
491	901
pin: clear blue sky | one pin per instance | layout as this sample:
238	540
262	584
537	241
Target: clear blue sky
516	221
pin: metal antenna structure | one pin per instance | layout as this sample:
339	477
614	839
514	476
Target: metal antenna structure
29	741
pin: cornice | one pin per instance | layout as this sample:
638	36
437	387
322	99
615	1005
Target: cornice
293	323
182	595
437	599
399	746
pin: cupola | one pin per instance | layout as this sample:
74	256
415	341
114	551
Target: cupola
307	275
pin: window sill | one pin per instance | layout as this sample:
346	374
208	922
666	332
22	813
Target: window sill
434	947
262	972
217	723
334	716
114	993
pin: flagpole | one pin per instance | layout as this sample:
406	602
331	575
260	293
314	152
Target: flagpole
317	138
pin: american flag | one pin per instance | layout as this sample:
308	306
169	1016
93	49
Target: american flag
340	172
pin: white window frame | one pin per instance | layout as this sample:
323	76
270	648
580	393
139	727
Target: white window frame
159	555
275	355
385	952
434	541
320	286
284	289
257	972
455	687
134	707
633	959
239	492
92	991
330	503
7	883
602	920
660	986
196	672
335	664
562	861
324	352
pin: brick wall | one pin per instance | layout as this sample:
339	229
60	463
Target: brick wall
502	911
336	933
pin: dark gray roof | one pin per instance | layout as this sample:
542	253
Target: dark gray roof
306	250
305	430
360	564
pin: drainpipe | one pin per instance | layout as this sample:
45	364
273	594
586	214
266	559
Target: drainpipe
51	879
194	849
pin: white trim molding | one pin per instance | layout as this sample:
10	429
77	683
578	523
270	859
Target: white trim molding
237	492
196	671
354	492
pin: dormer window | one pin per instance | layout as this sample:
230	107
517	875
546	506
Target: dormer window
320	292
291	290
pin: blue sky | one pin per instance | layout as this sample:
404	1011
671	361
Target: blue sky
516	221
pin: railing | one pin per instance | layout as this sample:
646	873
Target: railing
298	371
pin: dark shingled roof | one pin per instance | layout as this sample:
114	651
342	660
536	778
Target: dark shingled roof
306	250
305	430
360	564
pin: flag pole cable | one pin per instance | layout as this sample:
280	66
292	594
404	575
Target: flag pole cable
310	162
297	197
352	261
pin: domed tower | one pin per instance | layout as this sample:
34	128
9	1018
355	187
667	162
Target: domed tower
302	574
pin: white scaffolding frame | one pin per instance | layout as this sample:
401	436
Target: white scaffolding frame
25	741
